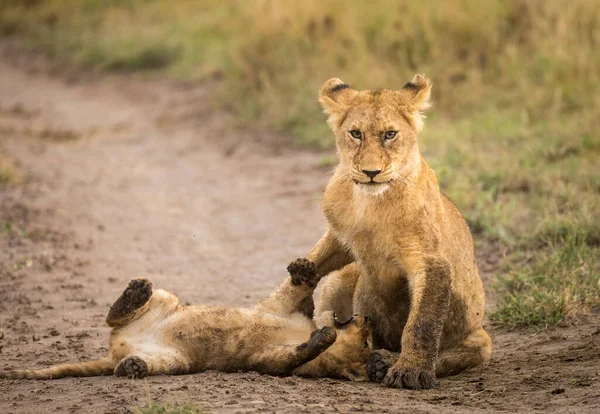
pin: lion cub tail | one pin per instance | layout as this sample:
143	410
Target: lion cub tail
98	367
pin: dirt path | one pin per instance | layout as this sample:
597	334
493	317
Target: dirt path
124	178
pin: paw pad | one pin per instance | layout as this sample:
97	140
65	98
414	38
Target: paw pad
138	292
134	297
132	367
377	367
304	272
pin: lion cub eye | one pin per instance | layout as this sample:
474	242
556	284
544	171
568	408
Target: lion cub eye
356	134
390	135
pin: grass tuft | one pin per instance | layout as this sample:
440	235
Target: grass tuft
9	175
134	57
562	282
167	409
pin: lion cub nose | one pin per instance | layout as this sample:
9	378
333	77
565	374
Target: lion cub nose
371	173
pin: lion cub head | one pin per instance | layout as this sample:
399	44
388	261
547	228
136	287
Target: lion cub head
376	131
351	349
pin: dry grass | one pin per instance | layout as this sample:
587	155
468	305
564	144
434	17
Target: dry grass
154	408
513	135
9	173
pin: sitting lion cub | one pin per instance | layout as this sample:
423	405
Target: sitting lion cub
154	334
398	250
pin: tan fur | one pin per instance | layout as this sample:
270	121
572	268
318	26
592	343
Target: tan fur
407	251
154	334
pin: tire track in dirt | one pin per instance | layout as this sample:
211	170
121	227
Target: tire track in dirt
131	178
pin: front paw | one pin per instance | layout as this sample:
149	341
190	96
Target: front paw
411	378
303	272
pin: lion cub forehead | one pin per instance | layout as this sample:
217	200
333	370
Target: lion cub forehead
345	105
376	97
378	110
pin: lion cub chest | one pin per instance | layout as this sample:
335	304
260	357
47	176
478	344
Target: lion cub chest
361	224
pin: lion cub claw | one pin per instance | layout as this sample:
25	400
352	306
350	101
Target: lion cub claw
303	272
411	378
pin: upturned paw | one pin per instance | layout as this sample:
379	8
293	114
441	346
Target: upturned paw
132	367
304	272
378	366
133	297
138	292
411	378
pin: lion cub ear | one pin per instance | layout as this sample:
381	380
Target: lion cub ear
416	94
335	97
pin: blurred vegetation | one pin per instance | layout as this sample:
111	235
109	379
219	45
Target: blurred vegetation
9	174
513	135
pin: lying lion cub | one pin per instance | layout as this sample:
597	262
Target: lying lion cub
154	334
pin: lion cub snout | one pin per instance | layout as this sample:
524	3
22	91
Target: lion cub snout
353	346
371	173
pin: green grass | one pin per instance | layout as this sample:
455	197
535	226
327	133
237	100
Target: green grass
562	281
5	177
513	135
132	57
532	198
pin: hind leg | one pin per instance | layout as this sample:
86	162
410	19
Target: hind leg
132	367
293	292
283	359
137	299
474	351
137	293
140	365
336	297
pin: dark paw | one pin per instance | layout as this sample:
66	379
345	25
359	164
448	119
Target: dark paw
133	297
414	379
132	367
303	272
138	292
322	338
377	366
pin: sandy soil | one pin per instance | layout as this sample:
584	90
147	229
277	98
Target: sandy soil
124	178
